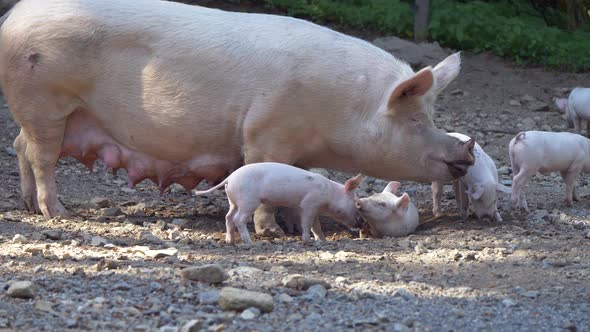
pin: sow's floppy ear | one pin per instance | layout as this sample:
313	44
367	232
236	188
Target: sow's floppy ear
392	187
415	86
446	71
353	183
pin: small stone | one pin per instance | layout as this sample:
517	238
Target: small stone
156	254
399	327
18	238
139	210
250	313
507	183
295	281
110	212
99	202
404	243
194	325
456	92
515	103
44	306
531	294
21	289
315	292
401	292
181	223
528	124
285	298
98	241
508	302
52	234
504	170
10	150
420	249
238	299
209	297
161	224
211	273
538	106
546	127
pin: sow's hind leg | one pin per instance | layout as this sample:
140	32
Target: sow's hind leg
38	146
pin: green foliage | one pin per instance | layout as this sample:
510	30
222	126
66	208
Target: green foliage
510	28
383	16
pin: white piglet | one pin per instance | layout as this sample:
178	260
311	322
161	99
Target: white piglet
543	152
477	190
283	185
576	108
388	215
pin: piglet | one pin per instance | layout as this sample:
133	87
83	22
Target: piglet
477	190
576	108
283	185
387	215
533	152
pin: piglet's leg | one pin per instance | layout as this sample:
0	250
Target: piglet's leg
518	183
27	178
316	229
241	220
229	223
569	178
437	189
307	219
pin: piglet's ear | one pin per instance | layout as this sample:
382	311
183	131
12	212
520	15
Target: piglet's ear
475	192
392	187
353	183
404	201
415	86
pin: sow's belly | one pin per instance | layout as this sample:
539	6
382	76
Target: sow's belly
86	140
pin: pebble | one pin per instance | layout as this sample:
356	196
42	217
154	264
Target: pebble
508	302
110	212
52	234
250	313
211	273
182	223
21	289
528	124
238	299
99	202
10	150
504	170
140	210
295	281
18	238
98	241
315	292
209	297
195	325
285	298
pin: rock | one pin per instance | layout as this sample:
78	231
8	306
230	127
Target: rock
417	55
238	299
420	249
546	127
12	217
161	224
295	281
537	106
182	223
245	272
315	292
8	205
531	294
155	254
509	302
52	234
18	238
195	325
528	124
504	170
44	306
139	210
515	103
211	273
99	202
98	241
285	298
403	293
399	327
209	297
10	150
507	183
250	313
110	212
21	289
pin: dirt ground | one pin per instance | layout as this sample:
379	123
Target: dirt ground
101	270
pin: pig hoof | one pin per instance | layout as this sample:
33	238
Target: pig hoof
569	203
272	232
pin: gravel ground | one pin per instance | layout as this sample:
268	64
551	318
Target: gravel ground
118	264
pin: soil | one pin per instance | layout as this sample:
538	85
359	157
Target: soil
99	271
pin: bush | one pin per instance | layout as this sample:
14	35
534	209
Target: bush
513	29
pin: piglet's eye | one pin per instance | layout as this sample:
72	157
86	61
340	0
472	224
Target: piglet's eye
381	204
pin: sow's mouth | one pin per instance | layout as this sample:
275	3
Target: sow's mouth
458	168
